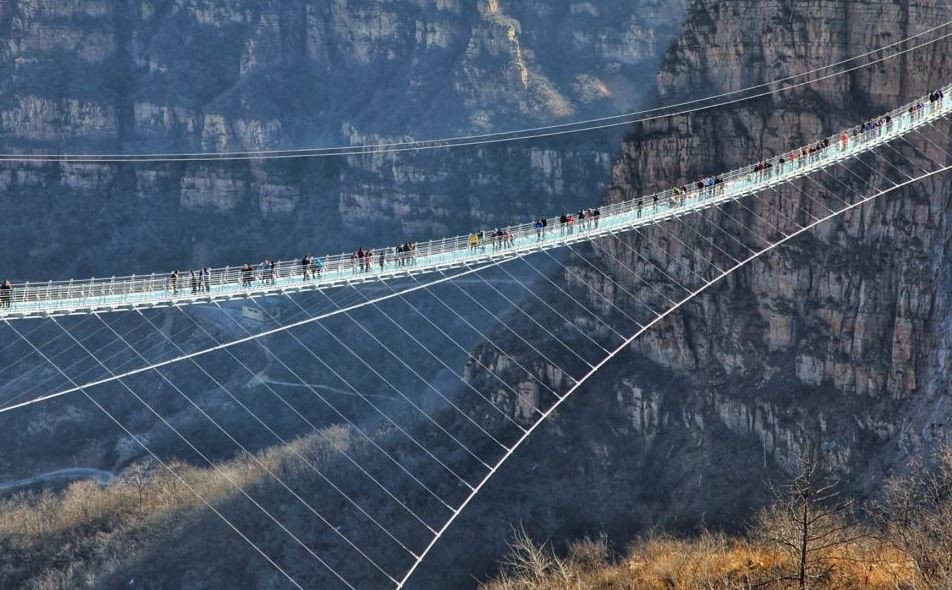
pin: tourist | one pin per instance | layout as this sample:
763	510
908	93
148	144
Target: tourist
6	293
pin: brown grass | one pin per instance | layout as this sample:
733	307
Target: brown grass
708	562
101	527
141	496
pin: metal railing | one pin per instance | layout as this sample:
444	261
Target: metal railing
84	296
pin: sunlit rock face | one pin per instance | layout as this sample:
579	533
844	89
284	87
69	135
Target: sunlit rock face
837	341
855	315
162	76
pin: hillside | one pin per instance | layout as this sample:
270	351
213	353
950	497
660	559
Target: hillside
838	341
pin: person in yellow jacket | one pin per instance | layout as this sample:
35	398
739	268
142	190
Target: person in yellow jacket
473	241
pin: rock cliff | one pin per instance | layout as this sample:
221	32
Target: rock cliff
866	339
220	75
837	341
229	75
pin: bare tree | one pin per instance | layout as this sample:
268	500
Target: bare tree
529	566
808	523
138	475
915	517
47	507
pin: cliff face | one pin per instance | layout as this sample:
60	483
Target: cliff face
184	75
220	75
836	341
854	316
190	76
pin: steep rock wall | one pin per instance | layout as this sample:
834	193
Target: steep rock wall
219	75
837	341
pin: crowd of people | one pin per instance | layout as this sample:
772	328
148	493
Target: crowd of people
311	268
500	239
266	273
935	101
363	260
198	281
584	219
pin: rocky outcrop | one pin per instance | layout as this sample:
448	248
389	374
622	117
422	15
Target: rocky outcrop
217	75
838	340
835	342
227	75
856	311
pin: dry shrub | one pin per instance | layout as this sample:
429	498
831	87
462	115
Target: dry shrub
915	518
589	554
709	561
529	566
101	523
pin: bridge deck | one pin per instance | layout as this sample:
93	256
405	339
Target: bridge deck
155	290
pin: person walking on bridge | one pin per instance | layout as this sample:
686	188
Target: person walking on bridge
247	275
173	282
6	294
317	265
267	271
